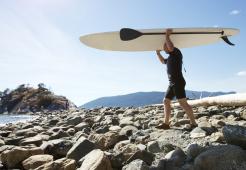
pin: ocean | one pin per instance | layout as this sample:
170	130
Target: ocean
4	119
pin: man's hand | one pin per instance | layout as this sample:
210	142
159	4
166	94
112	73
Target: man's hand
169	31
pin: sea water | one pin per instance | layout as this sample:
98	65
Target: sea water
4	119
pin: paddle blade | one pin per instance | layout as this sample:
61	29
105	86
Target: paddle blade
127	34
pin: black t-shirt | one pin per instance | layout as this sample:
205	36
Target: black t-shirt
174	67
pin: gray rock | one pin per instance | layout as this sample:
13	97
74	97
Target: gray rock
153	146
36	140
105	141
128	130
81	126
60	134
74	120
145	156
235	135
58	147
80	149
136	165
198	133
221	158
126	121
13	140
193	150
176	157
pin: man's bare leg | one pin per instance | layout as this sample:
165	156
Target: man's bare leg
183	103
167	110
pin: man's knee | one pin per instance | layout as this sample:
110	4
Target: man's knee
183	102
166	101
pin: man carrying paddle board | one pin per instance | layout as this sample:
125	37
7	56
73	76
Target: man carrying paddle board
177	82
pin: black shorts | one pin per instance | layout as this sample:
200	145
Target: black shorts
176	90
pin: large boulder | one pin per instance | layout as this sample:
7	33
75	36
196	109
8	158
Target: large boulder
58	147
12	158
221	158
59	164
36	160
96	160
36	140
235	135
105	141
80	149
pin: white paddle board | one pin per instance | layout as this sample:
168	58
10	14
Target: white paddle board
199	36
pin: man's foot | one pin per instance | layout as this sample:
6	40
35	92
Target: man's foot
163	126
193	125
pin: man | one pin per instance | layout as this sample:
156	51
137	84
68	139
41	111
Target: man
176	82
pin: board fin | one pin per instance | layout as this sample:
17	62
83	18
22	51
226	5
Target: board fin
225	38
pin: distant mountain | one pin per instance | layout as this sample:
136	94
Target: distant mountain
143	98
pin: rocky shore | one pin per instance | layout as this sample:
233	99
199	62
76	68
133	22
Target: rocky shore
126	138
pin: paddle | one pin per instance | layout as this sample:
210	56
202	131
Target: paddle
127	34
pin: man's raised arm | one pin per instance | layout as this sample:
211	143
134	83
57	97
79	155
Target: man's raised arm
161	58
168	42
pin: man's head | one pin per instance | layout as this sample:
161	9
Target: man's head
166	49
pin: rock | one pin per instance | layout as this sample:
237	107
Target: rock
176	157
143	155
141	147
4	133
198	133
193	150
58	147
137	164
117	160
96	160
35	161
217	137
13	140
218	123
115	128
204	125
12	158
243	114
59	164
126	121
235	135
128	130
184	121
36	140
60	134
80	149
221	158
105	141
81	126
74	120
2	142
127	148
153	147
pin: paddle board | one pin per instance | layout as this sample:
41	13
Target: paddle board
185	38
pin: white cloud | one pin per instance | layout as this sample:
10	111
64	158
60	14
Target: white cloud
215	26
241	73
234	12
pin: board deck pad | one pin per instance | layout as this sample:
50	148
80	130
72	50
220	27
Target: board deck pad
111	40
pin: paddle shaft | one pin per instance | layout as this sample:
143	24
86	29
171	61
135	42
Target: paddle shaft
159	33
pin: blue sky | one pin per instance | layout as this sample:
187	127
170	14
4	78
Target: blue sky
39	42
